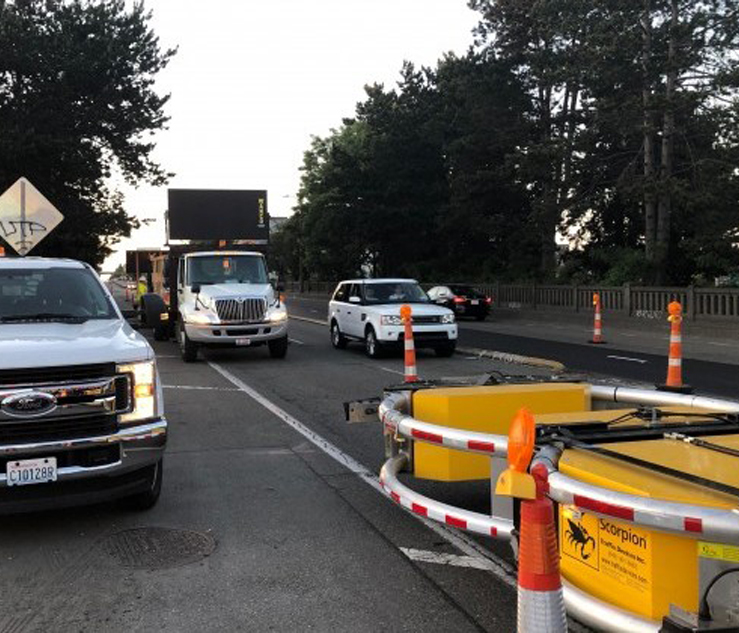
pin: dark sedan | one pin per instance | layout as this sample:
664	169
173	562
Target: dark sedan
463	299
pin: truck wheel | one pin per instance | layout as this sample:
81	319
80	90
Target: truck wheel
371	346
445	351
188	349
337	338
278	347
147	499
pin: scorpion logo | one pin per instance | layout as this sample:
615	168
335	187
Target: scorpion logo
578	536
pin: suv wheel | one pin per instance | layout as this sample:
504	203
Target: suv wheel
278	347
371	345
337	338
188	349
147	499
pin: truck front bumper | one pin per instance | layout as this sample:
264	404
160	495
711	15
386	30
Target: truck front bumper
236	334
90	469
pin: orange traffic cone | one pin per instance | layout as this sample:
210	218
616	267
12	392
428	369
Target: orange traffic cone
541	604
675	359
411	374
597	324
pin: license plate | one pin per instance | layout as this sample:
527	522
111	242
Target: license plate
475	302
243	341
31	471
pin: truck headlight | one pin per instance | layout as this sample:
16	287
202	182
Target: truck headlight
143	391
280	314
447	318
199	318
390	319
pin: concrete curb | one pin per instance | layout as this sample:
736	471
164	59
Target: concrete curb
504	357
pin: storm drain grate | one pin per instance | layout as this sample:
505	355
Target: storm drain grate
157	548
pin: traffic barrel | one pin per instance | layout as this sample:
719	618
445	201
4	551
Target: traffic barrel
541	604
597	322
675	358
411	374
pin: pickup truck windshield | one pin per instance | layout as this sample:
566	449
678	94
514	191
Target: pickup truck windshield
228	269
394	292
52	294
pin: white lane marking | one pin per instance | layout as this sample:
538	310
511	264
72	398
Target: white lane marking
628	359
390	371
717	344
627	334
312	310
167	356
498	567
438	558
198	388
296	341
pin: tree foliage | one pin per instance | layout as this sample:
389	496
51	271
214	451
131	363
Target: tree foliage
576	140
78	110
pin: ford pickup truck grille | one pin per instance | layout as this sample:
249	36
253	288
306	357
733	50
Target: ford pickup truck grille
30	431
241	310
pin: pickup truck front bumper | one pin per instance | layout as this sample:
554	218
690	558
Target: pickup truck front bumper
90	469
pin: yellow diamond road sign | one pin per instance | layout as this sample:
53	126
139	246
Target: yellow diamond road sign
26	216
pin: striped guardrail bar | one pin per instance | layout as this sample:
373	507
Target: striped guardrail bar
685	519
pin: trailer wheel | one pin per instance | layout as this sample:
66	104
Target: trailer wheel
188	349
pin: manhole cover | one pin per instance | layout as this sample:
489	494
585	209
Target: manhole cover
155	548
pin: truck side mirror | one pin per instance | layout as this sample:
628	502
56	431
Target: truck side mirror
196	289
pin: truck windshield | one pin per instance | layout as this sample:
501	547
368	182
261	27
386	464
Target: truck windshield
394	292
52	294
228	269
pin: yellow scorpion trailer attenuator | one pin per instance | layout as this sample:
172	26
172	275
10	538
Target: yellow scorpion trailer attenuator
646	482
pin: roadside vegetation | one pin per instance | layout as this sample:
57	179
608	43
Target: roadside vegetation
575	141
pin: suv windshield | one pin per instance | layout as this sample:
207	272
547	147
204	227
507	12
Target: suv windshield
55	294
394	292
228	269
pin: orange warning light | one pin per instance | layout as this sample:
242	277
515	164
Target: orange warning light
521	437
2	251
405	312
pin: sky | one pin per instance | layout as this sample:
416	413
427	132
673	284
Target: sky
254	80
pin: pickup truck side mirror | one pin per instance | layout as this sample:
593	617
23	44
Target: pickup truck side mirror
195	289
355	300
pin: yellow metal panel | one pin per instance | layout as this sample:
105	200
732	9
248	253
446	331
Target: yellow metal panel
486	410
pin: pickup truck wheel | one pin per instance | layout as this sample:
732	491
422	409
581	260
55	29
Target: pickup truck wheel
147	499
188	349
371	346
337	338
278	347
445	351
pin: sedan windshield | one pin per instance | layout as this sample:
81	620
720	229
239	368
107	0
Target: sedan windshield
394	292
228	269
52	294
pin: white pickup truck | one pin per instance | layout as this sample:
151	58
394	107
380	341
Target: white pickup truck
224	299
81	409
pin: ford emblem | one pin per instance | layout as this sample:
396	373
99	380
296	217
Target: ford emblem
30	404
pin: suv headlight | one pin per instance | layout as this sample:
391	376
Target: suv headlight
390	319
142	377
447	318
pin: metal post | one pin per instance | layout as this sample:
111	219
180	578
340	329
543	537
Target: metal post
627	298
23	217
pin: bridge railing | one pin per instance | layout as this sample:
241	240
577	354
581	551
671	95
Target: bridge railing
633	301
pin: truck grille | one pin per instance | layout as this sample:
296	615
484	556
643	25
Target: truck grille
30	431
241	310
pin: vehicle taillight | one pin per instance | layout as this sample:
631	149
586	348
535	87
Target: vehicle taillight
459	299
488	299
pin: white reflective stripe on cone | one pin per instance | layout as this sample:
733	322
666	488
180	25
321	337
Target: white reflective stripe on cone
676	338
410	369
541	611
409	344
675	362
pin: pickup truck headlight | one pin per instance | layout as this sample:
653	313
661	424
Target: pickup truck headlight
390	319
447	318
143	391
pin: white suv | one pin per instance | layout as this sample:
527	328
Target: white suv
368	310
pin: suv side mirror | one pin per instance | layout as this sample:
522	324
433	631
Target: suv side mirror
355	299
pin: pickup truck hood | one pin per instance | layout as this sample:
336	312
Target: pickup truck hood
226	291
28	345
418	309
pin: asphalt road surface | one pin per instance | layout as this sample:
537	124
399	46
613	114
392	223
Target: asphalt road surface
270	516
710	364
